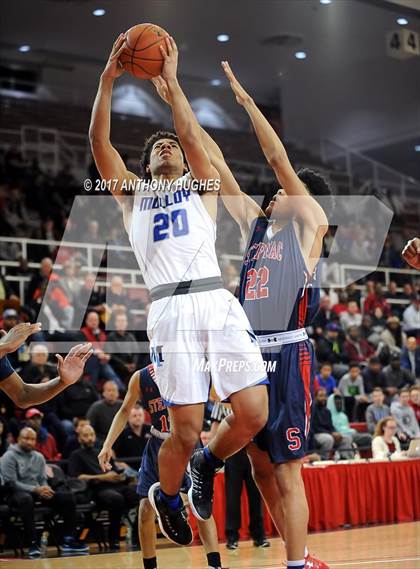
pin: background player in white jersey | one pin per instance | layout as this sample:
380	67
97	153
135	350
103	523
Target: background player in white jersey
192	317
142	387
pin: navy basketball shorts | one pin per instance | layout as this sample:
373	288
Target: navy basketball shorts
291	370
149	469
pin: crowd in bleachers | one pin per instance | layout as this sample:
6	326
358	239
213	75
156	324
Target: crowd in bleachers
367	347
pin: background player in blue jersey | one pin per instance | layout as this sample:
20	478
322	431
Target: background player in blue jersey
24	394
142	387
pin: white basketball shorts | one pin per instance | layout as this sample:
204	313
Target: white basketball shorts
202	338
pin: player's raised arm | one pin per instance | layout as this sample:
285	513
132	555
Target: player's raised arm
26	395
120	421
185	122
241	207
107	159
309	211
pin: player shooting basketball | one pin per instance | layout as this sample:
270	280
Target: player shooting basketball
25	395
192	316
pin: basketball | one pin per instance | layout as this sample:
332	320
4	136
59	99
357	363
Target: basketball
142	56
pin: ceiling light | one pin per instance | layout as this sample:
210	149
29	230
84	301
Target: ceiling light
325	1
25	48
99	12
417	148
223	38
402	21
216	82
300	55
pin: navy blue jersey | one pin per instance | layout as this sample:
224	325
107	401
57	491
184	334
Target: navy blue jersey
6	369
152	399
276	290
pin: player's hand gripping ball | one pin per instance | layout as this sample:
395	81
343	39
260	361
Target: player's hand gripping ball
141	55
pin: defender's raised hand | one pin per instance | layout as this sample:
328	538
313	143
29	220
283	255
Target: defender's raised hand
169	52
242	96
162	88
113	67
15	337
71	367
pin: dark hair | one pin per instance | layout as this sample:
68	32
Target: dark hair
374	360
329	364
147	149
354	364
317	186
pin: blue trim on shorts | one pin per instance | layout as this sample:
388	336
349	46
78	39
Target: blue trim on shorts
175	404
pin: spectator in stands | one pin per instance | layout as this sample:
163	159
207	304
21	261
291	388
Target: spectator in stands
390	256
116	298
378	320
373	376
97	367
357	348
45	442
411	317
237	472
350	317
408	291
353	294
325	379
25	470
392	291
70	281
341	305
415	401
331	346
102	412
377	298
403	413
352	389
325	435
410	357
72	442
123	358
341	423
392	339
396	378
40	280
38	368
90	299
324	314
75	402
377	410
385	445
109	490
130	444
4	444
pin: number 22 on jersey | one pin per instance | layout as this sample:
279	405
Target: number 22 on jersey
256	281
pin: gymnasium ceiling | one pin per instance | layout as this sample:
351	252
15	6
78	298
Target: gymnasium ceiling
347	68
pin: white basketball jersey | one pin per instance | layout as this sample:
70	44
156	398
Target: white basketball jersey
172	236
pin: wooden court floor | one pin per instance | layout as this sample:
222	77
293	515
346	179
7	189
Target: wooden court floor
381	547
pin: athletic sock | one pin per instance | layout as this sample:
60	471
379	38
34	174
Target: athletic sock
213	559
174	502
211	459
150	563
296	564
